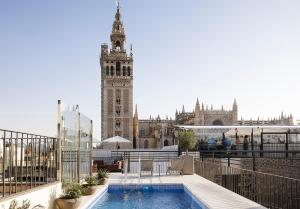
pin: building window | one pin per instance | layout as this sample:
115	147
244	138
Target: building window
112	71
124	71
166	143
128	71
142	132
146	144
118	124
118	100
107	70
118	45
118	68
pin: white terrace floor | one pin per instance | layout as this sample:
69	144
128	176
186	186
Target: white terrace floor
209	193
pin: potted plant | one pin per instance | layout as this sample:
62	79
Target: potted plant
89	187
102	175
187	141
70	198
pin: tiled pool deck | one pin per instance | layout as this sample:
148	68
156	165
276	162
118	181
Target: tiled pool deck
210	194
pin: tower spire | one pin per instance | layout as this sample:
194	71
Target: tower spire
118	36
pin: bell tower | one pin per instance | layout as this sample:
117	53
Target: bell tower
116	84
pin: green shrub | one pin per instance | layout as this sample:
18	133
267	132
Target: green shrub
187	140
102	174
91	180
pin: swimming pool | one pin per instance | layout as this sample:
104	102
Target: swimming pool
147	196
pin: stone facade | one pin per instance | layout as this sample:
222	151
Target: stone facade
152	133
116	85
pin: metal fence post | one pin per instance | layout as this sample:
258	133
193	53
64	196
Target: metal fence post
252	148
3	165
58	143
91	148
261	143
228	159
286	144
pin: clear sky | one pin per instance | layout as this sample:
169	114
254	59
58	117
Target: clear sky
216	50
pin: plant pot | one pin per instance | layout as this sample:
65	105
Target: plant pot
67	203
102	181
89	190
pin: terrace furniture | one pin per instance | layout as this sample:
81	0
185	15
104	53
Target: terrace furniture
146	165
188	166
112	167
176	166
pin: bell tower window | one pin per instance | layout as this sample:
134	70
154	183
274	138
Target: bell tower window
118	100
118	45
124	71
118	68
128	71
112	71
118	124
107	70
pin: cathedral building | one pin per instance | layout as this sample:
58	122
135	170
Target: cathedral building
117	118
208	117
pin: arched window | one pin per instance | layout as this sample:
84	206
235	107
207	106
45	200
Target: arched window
107	70
146	144
112	71
118	124
118	69
217	123
118	45
166	143
118	111
128	71
142	132
124	71
118	100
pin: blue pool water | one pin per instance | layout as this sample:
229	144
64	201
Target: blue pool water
146	197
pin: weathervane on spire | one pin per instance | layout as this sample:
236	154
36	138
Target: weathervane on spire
118	4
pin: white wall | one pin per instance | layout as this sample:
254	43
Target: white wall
43	195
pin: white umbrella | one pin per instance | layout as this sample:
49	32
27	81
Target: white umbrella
115	142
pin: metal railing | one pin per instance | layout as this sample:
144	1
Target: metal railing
285	163
272	191
26	161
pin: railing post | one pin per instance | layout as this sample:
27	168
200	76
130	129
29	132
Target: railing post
252	150
179	151
228	159
286	144
3	164
128	164
58	154
261	143
91	147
